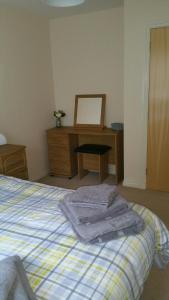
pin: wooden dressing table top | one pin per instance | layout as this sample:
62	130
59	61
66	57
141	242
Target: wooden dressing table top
87	131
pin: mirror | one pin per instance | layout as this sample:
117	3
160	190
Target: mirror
89	110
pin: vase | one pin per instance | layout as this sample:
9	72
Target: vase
58	122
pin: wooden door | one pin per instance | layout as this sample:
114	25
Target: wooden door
158	119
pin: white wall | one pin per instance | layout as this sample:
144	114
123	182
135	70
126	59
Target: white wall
26	91
87	57
139	17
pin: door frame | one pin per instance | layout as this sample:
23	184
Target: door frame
146	86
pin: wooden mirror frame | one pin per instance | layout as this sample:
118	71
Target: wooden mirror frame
100	124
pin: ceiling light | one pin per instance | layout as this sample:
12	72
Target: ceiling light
64	3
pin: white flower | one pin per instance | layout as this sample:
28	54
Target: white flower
58	115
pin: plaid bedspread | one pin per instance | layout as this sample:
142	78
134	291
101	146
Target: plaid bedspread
60	267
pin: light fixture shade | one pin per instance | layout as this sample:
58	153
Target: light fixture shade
3	140
64	3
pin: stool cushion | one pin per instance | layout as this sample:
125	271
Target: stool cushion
93	149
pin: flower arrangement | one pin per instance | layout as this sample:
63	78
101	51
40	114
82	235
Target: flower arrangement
58	115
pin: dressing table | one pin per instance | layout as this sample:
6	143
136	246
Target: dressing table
88	129
62	142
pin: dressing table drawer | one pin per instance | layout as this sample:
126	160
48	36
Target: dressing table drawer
57	140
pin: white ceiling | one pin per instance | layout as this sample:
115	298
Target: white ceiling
39	7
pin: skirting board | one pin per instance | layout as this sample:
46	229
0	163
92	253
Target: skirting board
134	184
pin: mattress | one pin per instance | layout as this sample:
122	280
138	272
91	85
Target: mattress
58	266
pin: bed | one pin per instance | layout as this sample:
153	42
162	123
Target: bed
58	266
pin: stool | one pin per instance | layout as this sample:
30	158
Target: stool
101	151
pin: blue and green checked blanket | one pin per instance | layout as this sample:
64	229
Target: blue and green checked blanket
60	267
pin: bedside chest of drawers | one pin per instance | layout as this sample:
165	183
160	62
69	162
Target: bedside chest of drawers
13	161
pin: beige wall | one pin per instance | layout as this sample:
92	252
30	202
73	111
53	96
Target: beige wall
26	85
87	57
139	17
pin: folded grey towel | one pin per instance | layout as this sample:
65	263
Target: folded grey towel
128	223
95	214
132	230
93	196
14	284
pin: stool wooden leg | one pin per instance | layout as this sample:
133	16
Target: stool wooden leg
81	172
103	167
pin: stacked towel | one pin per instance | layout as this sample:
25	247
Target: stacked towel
94	196
14	284
99	214
93	212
